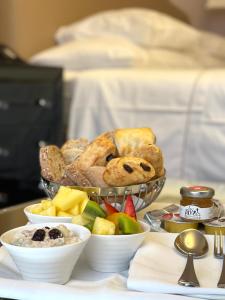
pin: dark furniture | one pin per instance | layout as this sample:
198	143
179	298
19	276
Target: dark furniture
30	116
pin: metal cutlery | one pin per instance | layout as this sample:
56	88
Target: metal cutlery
219	253
193	244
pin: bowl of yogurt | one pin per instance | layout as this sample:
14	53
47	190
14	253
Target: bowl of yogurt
46	252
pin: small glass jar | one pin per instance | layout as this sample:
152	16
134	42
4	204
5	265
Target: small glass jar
196	202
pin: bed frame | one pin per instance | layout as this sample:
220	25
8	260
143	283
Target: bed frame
28	26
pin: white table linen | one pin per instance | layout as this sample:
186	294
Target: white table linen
157	267
85	284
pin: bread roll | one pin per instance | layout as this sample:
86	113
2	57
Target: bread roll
129	139
76	175
52	163
95	176
72	149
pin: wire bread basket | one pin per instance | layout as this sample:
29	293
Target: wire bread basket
143	194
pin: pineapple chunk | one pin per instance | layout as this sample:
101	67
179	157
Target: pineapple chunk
80	220
75	210
83	203
67	198
103	226
51	211
46	203
36	209
63	214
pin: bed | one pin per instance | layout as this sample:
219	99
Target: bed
171	80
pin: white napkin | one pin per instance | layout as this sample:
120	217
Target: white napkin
157	267
85	284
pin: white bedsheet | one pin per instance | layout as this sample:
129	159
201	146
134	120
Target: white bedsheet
185	108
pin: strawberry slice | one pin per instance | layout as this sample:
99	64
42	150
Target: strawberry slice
129	208
109	208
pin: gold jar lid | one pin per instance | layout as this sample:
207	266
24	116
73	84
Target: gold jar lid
173	223
215	226
201	192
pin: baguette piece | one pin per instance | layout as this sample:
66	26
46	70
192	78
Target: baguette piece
52	163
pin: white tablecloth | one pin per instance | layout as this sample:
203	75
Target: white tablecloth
85	284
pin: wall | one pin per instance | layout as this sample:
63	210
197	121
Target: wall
201	17
28	26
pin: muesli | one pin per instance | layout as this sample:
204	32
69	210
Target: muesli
45	237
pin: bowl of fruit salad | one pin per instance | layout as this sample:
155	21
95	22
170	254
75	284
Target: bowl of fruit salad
116	235
113	253
46	252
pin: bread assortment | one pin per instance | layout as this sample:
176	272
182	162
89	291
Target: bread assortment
118	158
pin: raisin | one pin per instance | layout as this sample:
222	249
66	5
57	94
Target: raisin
109	157
128	168
145	167
39	235
55	234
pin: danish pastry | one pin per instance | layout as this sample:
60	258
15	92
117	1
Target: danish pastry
152	154
127	171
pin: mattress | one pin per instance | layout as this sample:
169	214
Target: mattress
185	109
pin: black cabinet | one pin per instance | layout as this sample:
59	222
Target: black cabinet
30	116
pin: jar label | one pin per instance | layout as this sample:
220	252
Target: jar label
195	212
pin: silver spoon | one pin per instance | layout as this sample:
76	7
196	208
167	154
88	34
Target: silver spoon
192	243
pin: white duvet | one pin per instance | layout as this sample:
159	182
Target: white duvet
185	108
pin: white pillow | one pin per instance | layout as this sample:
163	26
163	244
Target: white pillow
93	53
212	44
167	59
142	26
161	58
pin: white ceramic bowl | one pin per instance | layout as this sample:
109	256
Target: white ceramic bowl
36	219
112	253
53	264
